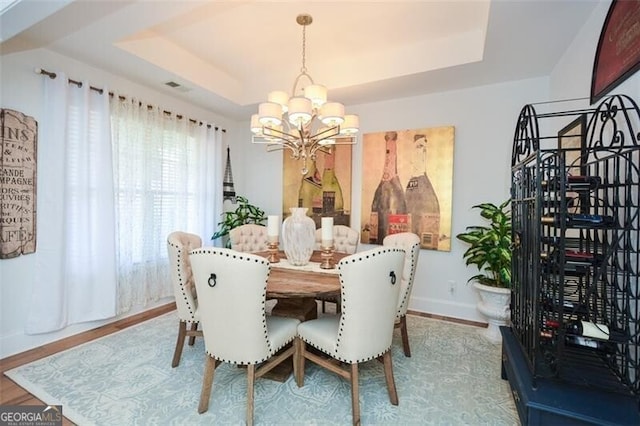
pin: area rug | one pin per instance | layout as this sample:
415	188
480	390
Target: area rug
452	378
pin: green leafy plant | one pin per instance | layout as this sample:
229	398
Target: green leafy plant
243	214
490	246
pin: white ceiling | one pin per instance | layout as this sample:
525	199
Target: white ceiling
227	55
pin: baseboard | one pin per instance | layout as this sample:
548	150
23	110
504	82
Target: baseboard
447	310
449	319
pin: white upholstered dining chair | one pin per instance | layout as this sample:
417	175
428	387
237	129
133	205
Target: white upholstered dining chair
410	243
178	246
249	238
231	292
370	287
345	240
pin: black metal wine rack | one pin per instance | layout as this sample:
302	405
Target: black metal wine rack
576	230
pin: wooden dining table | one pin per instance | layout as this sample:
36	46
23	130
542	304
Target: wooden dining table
296	288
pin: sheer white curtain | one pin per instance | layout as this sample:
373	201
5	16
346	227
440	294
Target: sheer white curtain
166	171
75	280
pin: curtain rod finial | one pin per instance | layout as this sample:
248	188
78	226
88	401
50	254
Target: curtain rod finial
51	75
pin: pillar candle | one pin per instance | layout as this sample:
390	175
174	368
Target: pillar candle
327	229
273	224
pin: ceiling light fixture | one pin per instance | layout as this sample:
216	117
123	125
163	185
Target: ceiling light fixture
305	122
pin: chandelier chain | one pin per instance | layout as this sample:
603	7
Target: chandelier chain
303	70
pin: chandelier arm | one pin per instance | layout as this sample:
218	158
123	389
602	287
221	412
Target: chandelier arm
322	148
276	147
326	133
295	83
279	134
279	147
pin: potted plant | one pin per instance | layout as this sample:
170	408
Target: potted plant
490	252
243	214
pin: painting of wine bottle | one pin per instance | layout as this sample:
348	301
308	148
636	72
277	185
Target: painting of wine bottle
325	188
407	185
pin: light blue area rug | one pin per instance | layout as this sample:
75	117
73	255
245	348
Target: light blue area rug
452	378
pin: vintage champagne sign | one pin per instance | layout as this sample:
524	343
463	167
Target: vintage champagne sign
17	183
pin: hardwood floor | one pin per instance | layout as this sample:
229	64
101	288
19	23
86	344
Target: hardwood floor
12	394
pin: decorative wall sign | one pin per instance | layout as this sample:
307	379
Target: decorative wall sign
407	185
325	190
618	52
18	157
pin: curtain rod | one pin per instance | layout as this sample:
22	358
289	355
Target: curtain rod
53	75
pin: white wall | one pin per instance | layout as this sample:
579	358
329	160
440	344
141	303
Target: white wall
21	89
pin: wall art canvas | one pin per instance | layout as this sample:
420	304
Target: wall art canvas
18	155
407	185
325	189
618	52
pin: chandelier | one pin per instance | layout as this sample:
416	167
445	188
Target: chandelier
303	122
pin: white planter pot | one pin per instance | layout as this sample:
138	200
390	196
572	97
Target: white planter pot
494	304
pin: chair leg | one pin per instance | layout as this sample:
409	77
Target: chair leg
298	361
405	336
192	338
324	307
207	383
251	379
182	333
388	376
355	394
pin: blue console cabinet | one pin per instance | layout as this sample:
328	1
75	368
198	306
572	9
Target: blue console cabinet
554	402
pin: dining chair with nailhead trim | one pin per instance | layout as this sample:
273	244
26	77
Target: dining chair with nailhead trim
232	288
410	243
363	331
178	246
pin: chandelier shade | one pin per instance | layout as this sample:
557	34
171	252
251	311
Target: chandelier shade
270	114
279	97
317	94
303	121
300	111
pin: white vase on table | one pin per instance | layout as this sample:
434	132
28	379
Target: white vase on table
298	236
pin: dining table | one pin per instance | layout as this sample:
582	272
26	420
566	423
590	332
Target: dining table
296	287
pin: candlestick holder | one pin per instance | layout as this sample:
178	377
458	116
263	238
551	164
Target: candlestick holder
327	257
273	252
